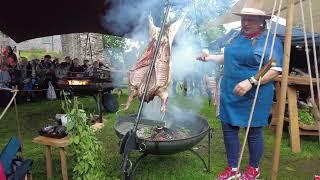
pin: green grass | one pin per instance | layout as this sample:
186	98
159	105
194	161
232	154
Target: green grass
38	53
182	166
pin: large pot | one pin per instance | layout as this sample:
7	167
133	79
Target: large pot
197	125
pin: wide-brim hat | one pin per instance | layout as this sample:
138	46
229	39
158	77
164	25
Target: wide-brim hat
253	8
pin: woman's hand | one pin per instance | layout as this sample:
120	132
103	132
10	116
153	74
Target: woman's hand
202	57
242	87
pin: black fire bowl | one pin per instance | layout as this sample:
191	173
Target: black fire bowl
195	124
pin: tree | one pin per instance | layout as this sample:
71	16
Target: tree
204	11
110	41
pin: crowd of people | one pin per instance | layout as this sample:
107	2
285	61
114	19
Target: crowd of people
32	77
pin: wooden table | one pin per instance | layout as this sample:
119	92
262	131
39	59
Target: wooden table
294	129
59	143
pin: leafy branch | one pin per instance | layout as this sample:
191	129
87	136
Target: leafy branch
85	146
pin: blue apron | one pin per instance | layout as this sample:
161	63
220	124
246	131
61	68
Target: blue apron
241	61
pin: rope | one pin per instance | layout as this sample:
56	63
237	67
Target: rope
307	52
315	57
9	104
36	90
18	126
111	69
259	81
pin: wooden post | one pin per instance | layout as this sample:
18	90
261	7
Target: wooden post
293	119
64	167
48	161
275	108
284	83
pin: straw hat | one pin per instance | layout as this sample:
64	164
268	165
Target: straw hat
253	8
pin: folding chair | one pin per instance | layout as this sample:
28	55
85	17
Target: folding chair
14	166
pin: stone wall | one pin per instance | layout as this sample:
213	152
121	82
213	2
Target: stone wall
77	45
71	45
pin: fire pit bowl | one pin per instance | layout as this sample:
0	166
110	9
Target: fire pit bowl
195	126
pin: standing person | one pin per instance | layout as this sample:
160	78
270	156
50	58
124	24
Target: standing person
241	61
5	80
15	73
5	52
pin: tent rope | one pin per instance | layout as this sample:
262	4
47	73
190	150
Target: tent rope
307	52
18	126
259	81
315	60
315	57
14	91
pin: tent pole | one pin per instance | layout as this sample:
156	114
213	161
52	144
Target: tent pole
283	91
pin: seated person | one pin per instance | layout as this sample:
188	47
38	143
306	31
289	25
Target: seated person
26	77
76	70
85	64
5	78
47	63
93	69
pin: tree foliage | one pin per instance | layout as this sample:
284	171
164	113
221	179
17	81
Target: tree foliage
201	13
110	41
204	11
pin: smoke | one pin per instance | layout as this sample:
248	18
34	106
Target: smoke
130	19
125	16
186	46
185	69
175	116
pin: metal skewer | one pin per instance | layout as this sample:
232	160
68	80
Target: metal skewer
149	73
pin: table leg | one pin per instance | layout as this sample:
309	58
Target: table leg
64	167
48	161
293	119
275	108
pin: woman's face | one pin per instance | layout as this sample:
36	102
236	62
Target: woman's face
251	24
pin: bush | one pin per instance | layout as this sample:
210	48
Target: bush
83	142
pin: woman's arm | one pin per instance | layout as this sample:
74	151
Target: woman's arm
244	86
210	57
269	76
215	58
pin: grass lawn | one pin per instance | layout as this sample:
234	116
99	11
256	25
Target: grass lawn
38	53
182	166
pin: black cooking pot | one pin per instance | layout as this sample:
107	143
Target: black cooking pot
196	125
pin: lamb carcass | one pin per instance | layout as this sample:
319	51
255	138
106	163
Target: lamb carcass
161	72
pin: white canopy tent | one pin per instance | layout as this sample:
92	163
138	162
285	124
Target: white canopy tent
268	6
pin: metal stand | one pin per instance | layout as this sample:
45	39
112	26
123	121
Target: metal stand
129	142
206	166
97	98
129	175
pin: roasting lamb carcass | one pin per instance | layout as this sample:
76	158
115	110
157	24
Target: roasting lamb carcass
161	72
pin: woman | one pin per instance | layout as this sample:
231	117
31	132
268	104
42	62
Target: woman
241	61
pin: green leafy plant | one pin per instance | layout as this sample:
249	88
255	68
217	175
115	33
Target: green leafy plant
305	116
85	146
